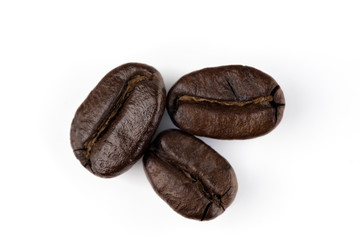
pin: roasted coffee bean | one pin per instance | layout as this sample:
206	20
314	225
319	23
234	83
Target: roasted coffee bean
189	175
228	102
114	125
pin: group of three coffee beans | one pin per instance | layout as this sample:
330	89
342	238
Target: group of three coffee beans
114	126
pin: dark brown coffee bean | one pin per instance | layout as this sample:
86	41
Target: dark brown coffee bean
228	102
114	125
189	175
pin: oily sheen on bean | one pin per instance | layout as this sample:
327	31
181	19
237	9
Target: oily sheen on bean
189	175
227	102
114	125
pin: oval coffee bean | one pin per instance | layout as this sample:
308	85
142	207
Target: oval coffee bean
114	125
228	102
189	175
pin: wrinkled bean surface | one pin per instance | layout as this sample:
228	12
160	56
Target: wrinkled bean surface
227	102
114	125
189	175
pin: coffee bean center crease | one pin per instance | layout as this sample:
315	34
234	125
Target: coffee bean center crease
187	98
213	198
111	116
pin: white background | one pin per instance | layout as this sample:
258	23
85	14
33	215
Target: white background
301	181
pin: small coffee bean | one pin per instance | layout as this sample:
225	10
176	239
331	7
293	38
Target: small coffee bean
227	102
189	175
114	125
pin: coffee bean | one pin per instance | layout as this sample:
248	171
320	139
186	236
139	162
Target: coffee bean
227	102
189	175
114	125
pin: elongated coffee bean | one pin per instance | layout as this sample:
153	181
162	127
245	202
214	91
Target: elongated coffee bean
114	125
228	102
189	175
